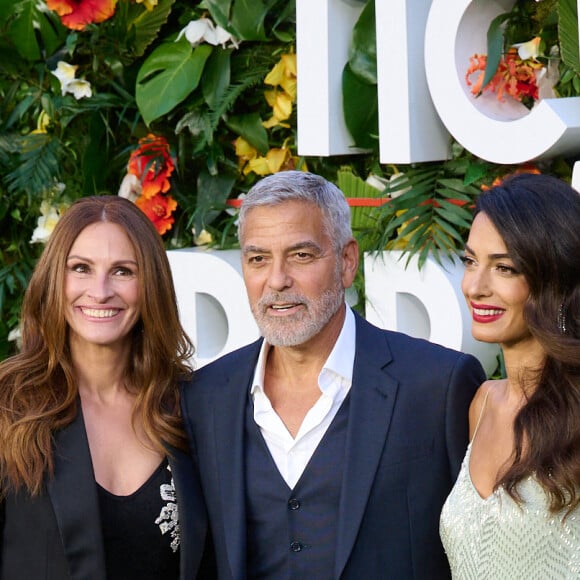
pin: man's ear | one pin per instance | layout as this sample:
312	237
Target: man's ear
350	256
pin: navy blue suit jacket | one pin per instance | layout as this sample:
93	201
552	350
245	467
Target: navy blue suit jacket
407	435
57	535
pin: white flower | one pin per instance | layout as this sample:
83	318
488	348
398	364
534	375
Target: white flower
65	73
130	187
45	223
204	30
529	49
15	336
79	88
377	182
234	211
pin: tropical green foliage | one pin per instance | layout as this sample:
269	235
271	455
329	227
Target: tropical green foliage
56	146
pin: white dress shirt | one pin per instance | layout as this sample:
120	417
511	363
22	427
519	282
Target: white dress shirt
291	455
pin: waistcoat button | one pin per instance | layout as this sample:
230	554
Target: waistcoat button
293	504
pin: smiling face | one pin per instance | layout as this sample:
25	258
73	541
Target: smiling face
294	279
495	291
101	287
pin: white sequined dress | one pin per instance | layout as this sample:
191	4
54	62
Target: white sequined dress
497	539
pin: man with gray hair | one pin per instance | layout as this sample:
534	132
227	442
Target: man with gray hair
326	449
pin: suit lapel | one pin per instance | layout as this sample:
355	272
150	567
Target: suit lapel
229	409
73	494
372	399
192	526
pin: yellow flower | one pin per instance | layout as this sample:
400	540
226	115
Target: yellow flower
284	75
42	122
283	78
277	159
245	152
281	104
244	149
203	239
259	166
149	4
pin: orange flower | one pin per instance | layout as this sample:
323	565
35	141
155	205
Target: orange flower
152	163
527	168
77	14
515	77
158	209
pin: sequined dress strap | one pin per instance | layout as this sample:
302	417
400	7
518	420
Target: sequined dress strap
480	415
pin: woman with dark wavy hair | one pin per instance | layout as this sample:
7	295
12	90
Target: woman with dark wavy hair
96	480
515	509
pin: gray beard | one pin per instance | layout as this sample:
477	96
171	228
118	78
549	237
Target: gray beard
303	326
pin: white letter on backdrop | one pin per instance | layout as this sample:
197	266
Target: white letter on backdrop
500	132
425	303
410	130
212	300
323	33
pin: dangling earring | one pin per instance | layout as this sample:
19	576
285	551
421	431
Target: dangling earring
562	319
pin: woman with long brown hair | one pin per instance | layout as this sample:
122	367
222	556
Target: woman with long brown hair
94	467
515	509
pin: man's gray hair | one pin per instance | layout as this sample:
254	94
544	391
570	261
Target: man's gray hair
306	187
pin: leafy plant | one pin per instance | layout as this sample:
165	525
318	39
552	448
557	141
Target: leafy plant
68	130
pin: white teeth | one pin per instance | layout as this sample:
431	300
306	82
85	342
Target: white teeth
94	313
487	312
285	307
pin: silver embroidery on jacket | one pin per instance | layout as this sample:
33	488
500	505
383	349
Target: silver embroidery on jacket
168	519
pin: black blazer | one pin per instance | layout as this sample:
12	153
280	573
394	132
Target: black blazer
57	535
406	437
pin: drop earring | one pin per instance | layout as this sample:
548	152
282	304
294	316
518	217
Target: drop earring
562	319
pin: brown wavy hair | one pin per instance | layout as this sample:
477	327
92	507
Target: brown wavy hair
538	217
38	387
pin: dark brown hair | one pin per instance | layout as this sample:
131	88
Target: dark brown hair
38	388
538	217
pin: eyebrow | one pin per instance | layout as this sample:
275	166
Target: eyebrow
491	256
89	261
307	245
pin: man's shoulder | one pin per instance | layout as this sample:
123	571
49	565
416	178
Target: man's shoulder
216	378
403	345
245	356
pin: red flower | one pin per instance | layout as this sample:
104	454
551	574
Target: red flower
514	77
152	164
158	209
77	14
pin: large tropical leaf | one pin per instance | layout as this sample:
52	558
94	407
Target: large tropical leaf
147	23
495	47
362	56
220	11
429	214
250	127
359	82
568	33
216	78
35	32
248	17
168	76
354	187
212	193
361	109
243	18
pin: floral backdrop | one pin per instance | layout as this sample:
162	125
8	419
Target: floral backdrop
181	105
